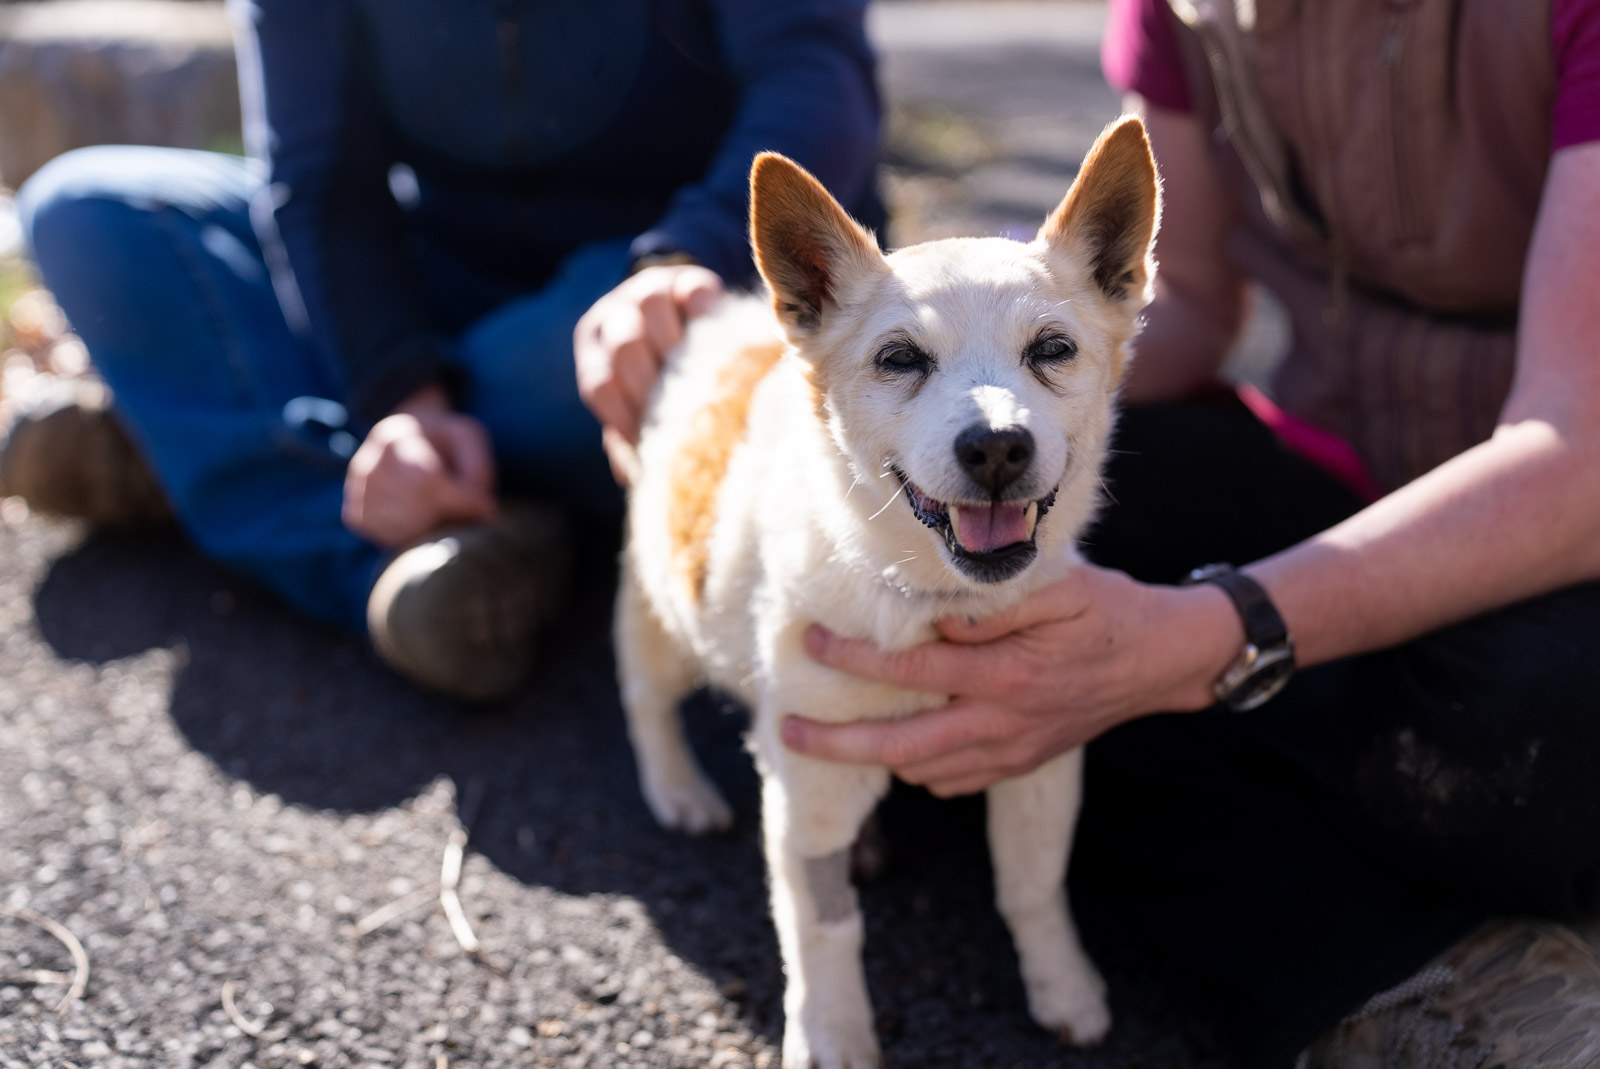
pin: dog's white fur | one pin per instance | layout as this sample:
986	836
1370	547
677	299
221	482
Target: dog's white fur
812	525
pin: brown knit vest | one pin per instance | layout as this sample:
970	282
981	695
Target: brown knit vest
1391	155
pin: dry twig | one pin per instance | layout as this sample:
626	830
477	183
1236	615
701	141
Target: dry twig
455	851
249	1028
80	957
449	879
35	976
449	895
393	911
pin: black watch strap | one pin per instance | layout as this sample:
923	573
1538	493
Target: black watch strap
1263	627
1267	661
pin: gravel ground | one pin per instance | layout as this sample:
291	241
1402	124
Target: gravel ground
215	797
204	789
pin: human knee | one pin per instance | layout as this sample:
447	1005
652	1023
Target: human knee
67	207
74	202
58	195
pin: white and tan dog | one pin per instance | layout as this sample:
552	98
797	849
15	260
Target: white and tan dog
909	436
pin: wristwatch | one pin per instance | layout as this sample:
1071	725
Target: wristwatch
1267	660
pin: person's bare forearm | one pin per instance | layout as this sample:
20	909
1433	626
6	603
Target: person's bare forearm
1510	519
1518	515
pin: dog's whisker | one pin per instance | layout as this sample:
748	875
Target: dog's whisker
913	557
886	505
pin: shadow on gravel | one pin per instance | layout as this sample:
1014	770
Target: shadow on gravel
307	714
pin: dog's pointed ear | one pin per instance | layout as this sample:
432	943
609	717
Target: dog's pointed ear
1110	214
807	248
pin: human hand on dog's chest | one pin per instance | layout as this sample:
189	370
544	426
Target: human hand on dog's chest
1072	661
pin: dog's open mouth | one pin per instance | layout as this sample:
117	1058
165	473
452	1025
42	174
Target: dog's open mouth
989	540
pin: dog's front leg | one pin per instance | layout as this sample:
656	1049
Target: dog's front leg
1031	820
811	811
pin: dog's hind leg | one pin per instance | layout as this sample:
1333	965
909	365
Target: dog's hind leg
655	677
1031	820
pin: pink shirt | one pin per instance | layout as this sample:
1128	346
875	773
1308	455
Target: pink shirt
1140	55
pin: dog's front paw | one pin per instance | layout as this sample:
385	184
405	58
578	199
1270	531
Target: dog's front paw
1072	1006
830	1048
694	806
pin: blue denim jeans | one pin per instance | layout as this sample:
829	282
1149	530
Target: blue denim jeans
152	256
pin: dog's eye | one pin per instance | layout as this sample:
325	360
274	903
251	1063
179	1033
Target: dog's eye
903	356
1050	349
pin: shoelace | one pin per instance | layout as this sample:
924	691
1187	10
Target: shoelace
1425	984
1422	1039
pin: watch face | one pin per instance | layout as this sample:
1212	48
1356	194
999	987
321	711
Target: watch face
1264	679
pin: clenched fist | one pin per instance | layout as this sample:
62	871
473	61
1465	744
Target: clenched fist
419	470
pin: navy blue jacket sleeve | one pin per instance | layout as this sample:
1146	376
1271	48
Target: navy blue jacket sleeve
807	90
328	211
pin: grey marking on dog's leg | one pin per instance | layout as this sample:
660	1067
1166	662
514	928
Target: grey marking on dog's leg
828	878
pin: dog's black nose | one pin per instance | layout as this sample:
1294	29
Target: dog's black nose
994	457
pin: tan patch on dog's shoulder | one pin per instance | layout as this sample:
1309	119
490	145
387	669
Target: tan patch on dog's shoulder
698	468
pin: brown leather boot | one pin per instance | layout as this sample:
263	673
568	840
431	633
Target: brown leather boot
460	613
1514	993
65	453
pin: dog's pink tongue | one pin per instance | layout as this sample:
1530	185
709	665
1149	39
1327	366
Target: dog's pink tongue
982	528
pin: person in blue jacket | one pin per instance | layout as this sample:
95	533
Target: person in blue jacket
340	355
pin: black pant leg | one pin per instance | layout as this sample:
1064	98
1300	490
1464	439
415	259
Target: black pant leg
1468	755
1252	892
1475	738
1291	861
1199	482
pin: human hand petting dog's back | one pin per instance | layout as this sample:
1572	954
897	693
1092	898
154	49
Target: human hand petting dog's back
420	469
1074	660
622	341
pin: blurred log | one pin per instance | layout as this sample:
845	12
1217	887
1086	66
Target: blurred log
91	72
